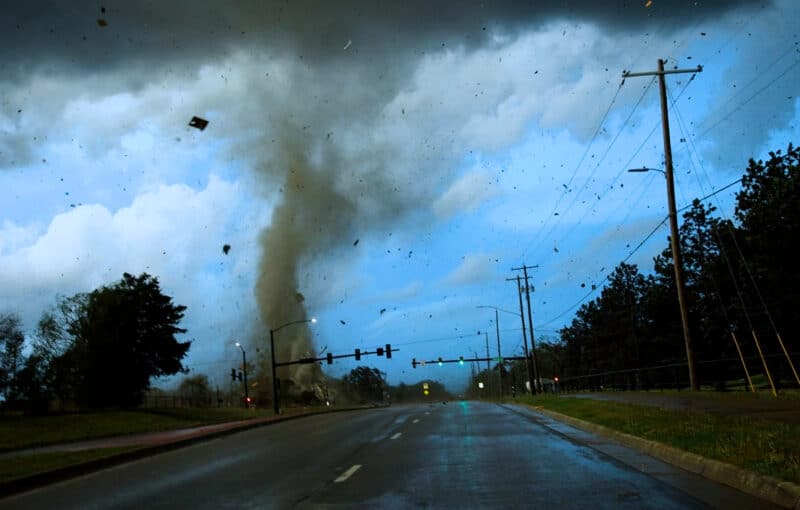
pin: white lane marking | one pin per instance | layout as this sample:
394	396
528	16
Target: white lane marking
416	420
427	412
396	435
347	474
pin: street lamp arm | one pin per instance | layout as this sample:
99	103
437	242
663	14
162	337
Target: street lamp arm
499	309
646	169
291	323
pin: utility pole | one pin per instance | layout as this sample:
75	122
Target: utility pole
499	356
524	335
530	325
673	215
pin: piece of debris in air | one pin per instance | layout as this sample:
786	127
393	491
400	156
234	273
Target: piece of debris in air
349	42
343	323
383	310
198	123
648	3
102	23
226	248
356	243
409	253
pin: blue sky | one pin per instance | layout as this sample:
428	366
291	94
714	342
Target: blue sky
452	163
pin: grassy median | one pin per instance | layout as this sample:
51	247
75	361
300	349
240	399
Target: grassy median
20	467
767	447
18	432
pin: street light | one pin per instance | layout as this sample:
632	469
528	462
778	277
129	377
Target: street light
678	267
244	369
497	328
275	403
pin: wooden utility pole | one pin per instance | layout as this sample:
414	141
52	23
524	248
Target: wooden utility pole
499	356
673	215
524	335
538	381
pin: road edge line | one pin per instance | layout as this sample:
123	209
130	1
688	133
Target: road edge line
773	490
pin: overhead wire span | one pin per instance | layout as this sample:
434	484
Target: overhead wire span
577	167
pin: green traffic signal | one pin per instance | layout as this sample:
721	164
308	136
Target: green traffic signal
461	360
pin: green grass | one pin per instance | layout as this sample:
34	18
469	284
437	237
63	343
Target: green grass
766	447
20	467
30	431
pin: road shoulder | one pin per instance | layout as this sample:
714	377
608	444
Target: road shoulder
778	492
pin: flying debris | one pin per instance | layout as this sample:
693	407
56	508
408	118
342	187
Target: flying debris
356	242
226	248
383	310
198	122
102	23
349	42
343	322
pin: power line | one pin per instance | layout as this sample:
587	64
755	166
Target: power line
580	162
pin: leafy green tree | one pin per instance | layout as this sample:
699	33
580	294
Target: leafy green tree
11	341
124	336
196	390
768	211
364	384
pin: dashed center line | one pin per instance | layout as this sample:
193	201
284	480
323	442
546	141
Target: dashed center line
347	474
396	435
416	420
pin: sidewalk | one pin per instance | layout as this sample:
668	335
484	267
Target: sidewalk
785	410
146	439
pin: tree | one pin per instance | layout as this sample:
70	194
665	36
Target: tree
196	390
364	384
11	340
123	337
768	210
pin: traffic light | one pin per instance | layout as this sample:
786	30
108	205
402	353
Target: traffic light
440	361
240	375
414	362
233	374
388	351
330	358
379	351
461	360
358	354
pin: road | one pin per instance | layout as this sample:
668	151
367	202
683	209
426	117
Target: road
454	455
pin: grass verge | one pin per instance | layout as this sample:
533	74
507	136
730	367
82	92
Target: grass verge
29	465
763	446
18	432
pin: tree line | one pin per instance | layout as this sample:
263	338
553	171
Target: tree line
742	279
99	349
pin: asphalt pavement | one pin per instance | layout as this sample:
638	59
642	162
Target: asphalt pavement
454	455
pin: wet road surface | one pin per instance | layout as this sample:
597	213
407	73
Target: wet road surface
455	455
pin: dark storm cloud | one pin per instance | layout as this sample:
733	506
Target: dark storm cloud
102	35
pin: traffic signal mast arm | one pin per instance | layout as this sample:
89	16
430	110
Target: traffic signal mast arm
330	357
462	360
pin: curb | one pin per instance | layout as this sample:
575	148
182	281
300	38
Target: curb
779	492
27	483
